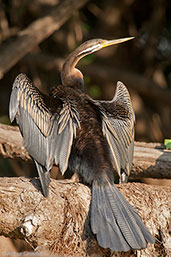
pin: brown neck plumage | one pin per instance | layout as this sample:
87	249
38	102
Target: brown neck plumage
70	75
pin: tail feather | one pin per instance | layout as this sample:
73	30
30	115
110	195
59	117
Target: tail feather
102	219
126	219
114	221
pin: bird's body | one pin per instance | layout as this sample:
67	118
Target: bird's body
92	138
89	137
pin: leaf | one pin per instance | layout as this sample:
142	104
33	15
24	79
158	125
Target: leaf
167	143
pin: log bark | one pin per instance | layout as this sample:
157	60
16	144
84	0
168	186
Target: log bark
35	33
11	144
150	160
61	222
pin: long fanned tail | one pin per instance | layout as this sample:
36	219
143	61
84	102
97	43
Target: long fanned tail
114	221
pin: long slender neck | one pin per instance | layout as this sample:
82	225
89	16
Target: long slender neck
71	76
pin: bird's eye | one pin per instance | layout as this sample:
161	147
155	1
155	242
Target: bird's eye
100	41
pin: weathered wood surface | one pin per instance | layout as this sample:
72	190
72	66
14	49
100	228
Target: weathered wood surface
150	160
61	222
35	33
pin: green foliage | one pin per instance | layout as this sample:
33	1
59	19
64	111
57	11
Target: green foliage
5	120
167	143
86	80
94	91
88	59
86	27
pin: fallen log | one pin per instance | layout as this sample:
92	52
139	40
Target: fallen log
61	223
150	160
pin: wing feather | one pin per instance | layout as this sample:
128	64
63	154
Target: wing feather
32	101
118	128
47	137
67	123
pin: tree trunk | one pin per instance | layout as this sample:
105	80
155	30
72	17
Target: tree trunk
61	222
150	160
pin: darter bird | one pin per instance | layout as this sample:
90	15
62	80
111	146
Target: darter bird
92	138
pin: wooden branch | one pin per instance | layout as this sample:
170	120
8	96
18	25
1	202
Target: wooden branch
61	222
150	160
35	33
11	143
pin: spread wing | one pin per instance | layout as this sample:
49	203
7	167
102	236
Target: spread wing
47	136
118	128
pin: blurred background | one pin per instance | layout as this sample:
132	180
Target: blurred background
143	64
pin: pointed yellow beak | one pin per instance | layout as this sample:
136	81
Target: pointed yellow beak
115	41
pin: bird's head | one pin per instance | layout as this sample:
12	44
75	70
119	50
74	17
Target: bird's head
73	77
95	45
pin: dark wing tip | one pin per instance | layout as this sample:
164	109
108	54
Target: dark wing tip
21	76
122	89
122	97
45	192
44	176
